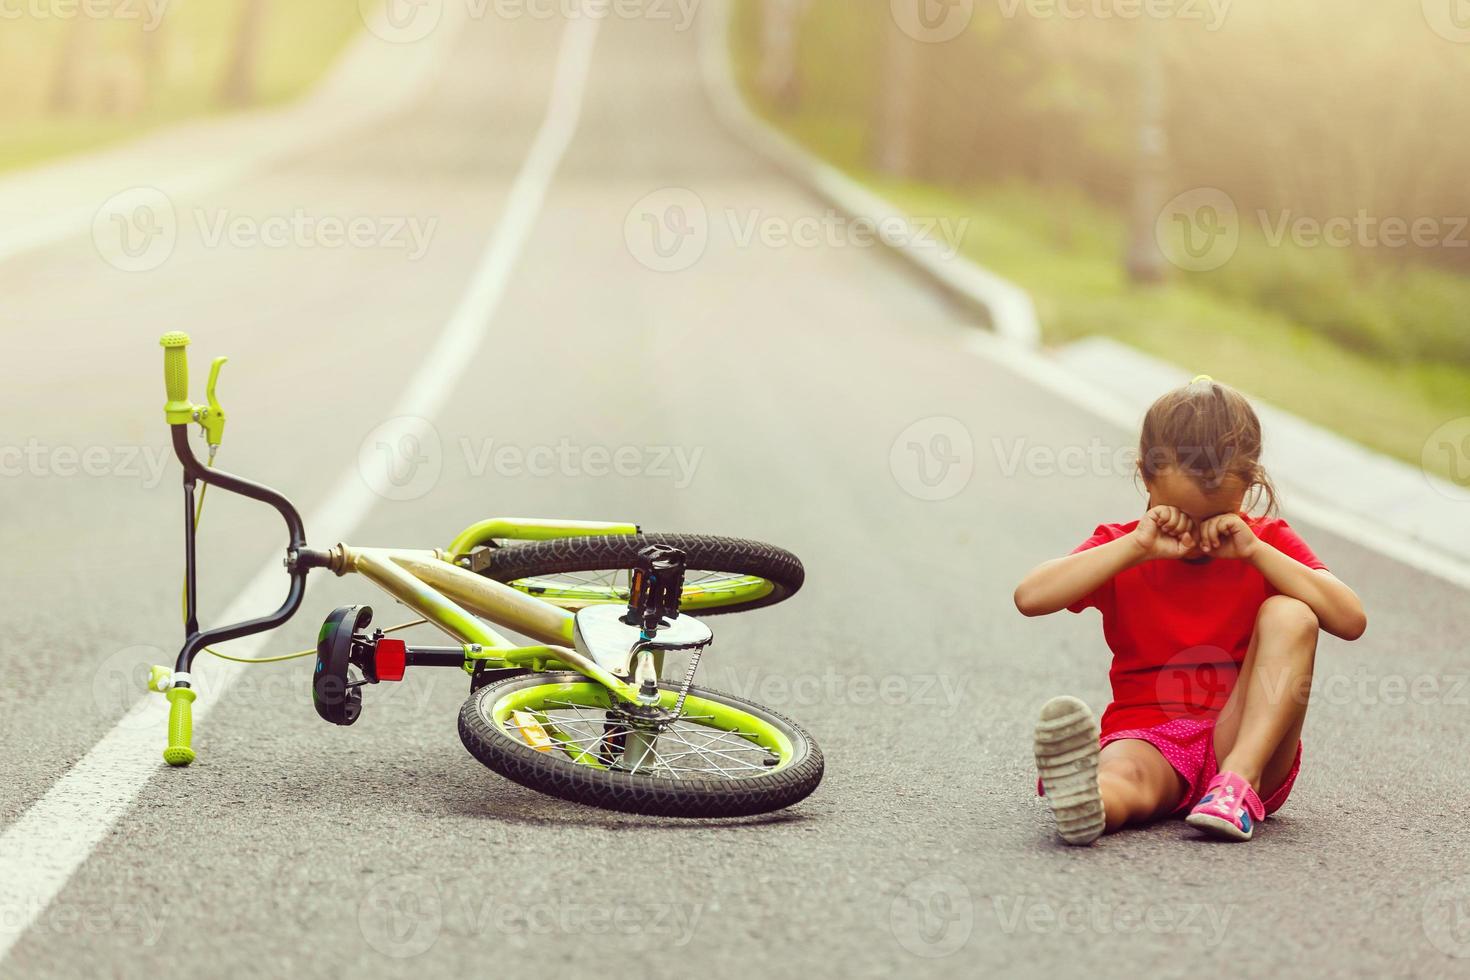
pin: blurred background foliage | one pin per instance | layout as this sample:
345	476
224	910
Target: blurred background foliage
1031	127
78	75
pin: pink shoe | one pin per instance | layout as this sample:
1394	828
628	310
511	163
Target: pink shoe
1229	808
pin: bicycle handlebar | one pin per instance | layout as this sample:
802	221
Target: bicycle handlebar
178	410
180	751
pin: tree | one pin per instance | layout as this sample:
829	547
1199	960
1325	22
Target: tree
239	82
897	106
779	77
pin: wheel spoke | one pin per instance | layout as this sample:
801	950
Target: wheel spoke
690	747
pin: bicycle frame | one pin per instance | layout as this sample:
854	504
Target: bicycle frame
460	603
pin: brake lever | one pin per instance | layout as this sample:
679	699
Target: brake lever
211	417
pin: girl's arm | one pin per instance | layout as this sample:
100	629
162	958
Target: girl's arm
1338	608
1164	532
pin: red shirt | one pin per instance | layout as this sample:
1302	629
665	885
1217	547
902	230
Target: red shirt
1179	630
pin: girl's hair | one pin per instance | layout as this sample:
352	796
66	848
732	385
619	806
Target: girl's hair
1210	433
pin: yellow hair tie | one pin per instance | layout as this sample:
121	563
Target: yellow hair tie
1202	377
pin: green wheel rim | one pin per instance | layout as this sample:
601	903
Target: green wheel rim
702	590
711	740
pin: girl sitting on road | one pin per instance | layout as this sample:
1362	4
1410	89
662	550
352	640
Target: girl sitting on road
1212	617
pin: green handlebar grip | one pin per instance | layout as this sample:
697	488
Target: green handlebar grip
176	377
180	727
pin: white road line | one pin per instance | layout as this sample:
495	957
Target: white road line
42	850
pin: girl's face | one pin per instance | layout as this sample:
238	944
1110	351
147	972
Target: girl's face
1171	488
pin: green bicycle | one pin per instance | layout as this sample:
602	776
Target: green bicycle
596	712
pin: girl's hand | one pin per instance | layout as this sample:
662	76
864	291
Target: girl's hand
1228	536
1165	532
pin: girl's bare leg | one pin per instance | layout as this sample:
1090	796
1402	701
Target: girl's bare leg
1137	784
1257	732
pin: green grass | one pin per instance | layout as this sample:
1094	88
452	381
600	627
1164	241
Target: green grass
1067	253
301	40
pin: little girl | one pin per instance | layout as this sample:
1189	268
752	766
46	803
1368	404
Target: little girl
1212	616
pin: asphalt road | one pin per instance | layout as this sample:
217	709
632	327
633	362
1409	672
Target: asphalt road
764	388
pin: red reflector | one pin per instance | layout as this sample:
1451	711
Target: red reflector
391	659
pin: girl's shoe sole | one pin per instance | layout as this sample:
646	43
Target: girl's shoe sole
1218	826
1066	759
